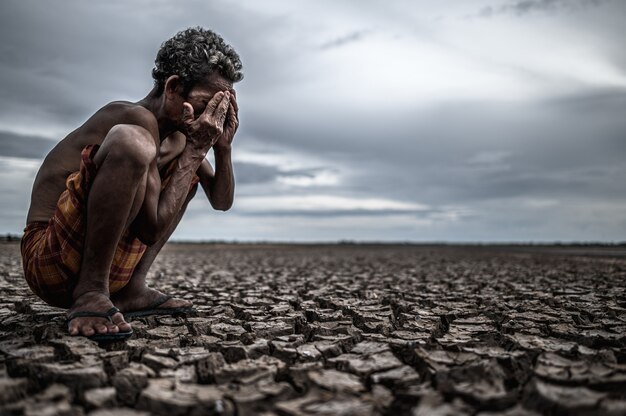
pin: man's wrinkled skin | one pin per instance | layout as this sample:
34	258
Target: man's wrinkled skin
136	139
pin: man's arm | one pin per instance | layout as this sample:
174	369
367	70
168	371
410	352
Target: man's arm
219	185
160	208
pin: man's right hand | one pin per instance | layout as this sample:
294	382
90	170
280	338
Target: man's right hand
204	131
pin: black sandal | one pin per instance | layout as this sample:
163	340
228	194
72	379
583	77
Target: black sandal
109	336
153	309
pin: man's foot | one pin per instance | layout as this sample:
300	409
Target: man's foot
96	303
147	298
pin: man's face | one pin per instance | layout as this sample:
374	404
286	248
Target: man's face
202	92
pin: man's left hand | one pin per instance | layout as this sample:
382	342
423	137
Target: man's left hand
225	141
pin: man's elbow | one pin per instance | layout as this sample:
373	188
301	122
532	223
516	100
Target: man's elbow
221	205
147	235
148	239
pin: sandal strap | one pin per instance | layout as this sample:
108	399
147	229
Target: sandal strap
160	301
112	311
88	314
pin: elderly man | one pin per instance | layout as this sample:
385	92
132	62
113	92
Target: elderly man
109	195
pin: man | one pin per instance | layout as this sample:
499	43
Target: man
109	195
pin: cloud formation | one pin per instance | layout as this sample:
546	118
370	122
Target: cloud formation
398	121
22	146
524	7
343	40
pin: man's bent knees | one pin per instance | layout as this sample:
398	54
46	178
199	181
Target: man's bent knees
129	146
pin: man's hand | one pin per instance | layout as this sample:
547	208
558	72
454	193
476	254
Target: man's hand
203	132
225	140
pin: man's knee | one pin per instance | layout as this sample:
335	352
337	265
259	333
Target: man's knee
131	147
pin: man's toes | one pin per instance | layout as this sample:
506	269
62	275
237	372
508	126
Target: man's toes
112	328
124	327
87	330
73	328
101	328
118	320
177	303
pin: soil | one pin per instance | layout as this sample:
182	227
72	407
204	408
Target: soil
337	330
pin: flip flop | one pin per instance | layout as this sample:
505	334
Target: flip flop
153	309
108	337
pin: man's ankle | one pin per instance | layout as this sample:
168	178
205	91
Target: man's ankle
80	292
132	288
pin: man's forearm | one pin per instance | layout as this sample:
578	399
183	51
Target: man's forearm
176	190
222	189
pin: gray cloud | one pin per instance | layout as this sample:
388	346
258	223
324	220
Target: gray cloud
550	167
325	214
525	7
248	173
16	180
343	40
30	147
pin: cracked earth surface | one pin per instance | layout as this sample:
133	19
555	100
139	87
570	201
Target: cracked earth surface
336	330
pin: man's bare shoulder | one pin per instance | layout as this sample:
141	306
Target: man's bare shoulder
121	112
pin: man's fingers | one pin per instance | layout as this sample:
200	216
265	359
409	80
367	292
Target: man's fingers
233	101
232	114
214	103
187	112
222	108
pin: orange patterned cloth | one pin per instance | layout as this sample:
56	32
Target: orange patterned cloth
52	251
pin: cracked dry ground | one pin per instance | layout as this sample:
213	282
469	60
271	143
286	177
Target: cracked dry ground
336	330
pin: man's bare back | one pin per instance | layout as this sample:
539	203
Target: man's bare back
121	211
64	158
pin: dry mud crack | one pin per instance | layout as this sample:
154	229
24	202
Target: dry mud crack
336	330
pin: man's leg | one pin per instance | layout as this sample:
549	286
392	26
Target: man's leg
136	295
115	197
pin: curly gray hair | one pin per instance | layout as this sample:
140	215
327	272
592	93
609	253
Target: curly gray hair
192	54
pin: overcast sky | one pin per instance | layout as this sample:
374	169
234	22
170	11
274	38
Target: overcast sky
440	120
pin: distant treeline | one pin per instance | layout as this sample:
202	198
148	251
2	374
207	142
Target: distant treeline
16	237
406	243
10	237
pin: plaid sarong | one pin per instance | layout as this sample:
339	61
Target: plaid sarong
52	251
